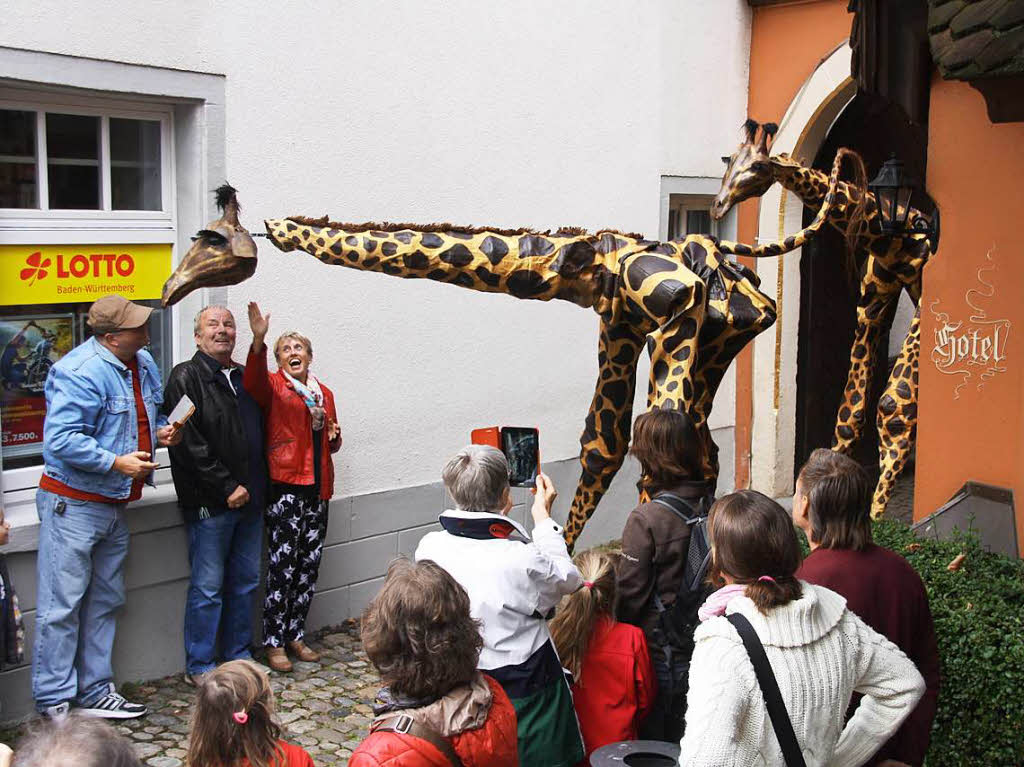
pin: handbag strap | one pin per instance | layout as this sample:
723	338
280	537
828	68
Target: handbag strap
406	725
770	690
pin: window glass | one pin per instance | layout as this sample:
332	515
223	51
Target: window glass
18	159
73	161
698	222
134	164
32	339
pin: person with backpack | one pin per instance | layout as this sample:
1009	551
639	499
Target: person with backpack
777	659
613	681
655	555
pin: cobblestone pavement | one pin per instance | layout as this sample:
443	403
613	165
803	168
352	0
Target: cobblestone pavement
323	707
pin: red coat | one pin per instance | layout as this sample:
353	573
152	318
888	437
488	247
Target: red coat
616	687
289	426
495	744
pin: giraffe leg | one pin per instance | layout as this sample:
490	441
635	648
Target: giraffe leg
874	312
897	417
606	435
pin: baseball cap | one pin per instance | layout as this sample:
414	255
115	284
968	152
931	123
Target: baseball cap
114	312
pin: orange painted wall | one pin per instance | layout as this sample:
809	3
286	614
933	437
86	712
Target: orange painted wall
787	42
975	170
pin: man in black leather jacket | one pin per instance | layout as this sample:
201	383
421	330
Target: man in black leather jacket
220	476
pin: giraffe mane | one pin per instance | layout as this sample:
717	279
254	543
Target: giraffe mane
389	226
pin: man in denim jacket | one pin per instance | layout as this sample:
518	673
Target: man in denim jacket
102	400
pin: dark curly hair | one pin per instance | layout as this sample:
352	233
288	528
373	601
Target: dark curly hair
418	631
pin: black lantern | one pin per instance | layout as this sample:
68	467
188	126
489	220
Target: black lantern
893	190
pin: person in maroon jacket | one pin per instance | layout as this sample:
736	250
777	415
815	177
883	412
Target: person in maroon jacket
832	505
302	432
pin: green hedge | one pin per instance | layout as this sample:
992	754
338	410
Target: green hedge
979	624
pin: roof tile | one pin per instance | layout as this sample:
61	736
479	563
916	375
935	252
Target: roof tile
975	16
1010	16
1002	51
940	16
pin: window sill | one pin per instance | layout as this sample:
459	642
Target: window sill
159	504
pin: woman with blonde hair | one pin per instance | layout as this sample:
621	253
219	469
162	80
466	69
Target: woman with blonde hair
614	685
302	432
233	722
777	659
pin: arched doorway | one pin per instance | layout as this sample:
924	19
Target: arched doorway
828	302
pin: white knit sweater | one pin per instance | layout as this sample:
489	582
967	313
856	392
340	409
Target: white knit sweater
821	653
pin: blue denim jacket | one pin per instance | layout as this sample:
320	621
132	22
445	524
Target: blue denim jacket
91	419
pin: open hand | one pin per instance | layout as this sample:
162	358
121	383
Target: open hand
238	498
169	435
135	465
259	324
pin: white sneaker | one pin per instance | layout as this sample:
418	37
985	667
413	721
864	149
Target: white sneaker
113	705
57	713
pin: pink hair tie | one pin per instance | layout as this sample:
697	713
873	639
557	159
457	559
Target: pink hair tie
766	578
240	716
588	584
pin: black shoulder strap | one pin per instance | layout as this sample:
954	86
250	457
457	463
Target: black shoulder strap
676	504
408	726
770	690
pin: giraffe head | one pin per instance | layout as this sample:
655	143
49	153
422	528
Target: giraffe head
223	253
749	170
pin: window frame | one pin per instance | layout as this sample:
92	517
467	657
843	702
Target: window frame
45	226
43	217
681	204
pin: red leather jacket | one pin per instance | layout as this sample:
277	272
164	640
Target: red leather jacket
289	426
491	744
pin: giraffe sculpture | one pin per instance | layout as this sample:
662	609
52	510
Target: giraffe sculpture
893	264
692	307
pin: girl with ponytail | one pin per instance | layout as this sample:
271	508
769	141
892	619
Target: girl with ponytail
233	722
614	683
818	651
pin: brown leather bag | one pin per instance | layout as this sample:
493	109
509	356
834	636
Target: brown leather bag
406	725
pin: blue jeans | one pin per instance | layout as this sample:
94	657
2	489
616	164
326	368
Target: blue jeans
224	554
82	547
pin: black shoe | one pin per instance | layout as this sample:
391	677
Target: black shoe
114	706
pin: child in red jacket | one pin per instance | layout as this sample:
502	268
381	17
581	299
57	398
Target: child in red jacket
233	722
614	683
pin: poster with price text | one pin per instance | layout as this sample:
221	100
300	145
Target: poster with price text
29	347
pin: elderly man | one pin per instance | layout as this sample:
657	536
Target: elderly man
514	583
220	476
98	441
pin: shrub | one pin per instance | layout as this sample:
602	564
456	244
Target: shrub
979	624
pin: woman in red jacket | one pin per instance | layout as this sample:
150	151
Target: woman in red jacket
437	709
302	432
613	679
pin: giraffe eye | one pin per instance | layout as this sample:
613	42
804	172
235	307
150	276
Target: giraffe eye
212	237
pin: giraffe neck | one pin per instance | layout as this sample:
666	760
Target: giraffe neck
570	264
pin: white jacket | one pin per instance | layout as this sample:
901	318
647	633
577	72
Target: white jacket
512	582
821	653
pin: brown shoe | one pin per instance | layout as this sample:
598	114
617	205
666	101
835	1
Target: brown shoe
302	652
277	659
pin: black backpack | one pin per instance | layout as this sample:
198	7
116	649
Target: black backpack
679	619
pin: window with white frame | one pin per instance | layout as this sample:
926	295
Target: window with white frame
690	214
74	172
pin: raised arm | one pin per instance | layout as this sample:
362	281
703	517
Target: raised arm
256	377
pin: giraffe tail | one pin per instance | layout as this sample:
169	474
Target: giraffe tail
794	241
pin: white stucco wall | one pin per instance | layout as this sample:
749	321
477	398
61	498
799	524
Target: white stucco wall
529	114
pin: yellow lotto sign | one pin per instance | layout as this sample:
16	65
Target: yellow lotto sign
58	274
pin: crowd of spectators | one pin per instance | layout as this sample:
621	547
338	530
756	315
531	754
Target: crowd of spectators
495	647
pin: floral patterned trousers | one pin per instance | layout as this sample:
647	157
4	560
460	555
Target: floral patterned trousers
296	528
